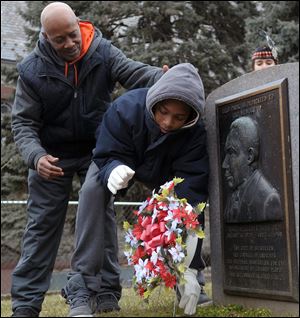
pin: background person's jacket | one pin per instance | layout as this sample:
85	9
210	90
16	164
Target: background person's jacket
130	136
58	109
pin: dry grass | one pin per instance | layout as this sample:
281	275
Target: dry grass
161	304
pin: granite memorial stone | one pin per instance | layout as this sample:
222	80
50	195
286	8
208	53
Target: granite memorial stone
253	138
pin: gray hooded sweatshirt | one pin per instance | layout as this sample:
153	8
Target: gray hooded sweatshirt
182	82
129	135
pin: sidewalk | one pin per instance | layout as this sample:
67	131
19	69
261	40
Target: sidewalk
59	279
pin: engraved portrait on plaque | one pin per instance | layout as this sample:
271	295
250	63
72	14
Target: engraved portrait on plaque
253	198
256	193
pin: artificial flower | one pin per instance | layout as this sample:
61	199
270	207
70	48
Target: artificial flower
155	245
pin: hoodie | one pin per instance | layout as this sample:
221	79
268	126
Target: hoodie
181	82
88	47
59	105
129	135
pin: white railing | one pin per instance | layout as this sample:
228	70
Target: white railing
70	202
75	202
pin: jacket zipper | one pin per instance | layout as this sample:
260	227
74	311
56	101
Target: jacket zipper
65	81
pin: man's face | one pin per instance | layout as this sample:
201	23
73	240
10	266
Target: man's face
260	64
235	162
171	115
65	38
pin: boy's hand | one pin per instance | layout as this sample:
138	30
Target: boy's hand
119	178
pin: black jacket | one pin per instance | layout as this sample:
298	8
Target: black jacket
51	114
130	136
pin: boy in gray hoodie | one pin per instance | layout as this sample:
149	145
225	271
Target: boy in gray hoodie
150	135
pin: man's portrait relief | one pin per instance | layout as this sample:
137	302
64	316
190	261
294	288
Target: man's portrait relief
252	198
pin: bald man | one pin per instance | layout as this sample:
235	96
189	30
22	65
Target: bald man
63	90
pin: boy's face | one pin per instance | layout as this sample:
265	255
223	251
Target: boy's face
260	64
171	115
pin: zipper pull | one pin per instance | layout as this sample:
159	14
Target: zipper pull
75	93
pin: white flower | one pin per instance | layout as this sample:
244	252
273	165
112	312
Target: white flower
130	238
162	206
129	254
173	203
177	254
166	185
172	229
155	211
142	206
170	216
189	208
158	251
140	270
154	257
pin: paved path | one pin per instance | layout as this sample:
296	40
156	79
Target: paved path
59	279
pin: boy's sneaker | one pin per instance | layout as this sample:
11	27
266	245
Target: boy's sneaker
106	302
203	300
78	297
25	312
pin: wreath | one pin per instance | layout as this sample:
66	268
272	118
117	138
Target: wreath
155	244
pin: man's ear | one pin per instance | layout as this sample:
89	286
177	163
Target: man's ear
45	36
252	154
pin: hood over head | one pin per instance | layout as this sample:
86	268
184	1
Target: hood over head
182	82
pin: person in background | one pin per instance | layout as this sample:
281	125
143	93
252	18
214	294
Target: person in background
63	90
263	57
149	135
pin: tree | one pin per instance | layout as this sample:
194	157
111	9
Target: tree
218	37
13	169
280	19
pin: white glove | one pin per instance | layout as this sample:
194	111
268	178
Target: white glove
189	292
119	178
191	245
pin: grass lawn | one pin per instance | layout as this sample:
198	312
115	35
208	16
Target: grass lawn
161	304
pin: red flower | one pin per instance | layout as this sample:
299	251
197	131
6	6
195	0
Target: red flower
171	186
158	224
139	253
169	279
161	215
150	266
141	290
191	221
137	231
177	213
151	206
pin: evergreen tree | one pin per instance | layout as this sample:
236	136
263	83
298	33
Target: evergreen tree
13	169
218	37
280	19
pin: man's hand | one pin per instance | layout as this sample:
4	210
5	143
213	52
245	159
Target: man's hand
47	169
119	178
189	292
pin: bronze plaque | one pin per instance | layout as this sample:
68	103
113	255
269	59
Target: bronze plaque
258	227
